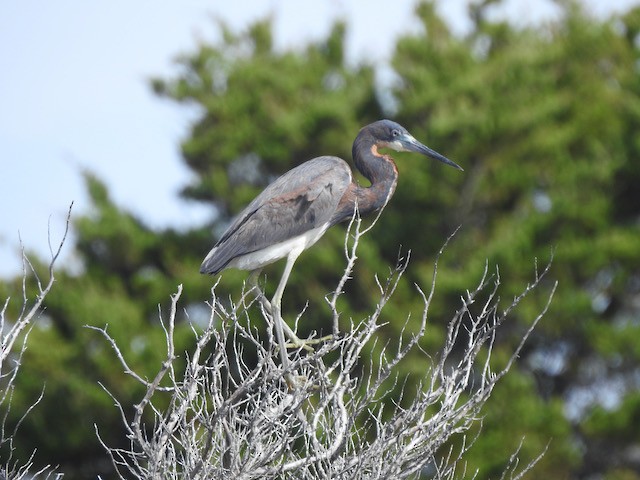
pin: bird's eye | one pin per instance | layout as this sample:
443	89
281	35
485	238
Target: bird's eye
395	132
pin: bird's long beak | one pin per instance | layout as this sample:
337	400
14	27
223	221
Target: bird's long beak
412	145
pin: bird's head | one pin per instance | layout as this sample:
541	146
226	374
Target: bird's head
393	135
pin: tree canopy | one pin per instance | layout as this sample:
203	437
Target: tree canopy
544	120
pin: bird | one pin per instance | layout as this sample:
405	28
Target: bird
296	209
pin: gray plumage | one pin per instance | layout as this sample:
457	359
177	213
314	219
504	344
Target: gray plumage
302	199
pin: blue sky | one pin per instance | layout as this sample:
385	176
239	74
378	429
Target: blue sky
74	94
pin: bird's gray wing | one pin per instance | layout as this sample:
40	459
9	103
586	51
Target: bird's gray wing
302	199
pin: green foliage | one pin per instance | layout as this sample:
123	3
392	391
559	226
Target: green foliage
260	108
544	120
515	423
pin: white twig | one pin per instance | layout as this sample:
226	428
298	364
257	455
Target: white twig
11	330
232	413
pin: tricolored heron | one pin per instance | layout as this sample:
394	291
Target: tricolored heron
294	211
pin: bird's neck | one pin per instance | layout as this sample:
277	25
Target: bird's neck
379	169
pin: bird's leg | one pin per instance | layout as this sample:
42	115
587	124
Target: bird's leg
277	323
293	380
252	280
276	303
276	314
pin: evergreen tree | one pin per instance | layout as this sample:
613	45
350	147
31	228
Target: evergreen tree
540	117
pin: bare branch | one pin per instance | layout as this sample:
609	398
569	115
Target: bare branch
11	330
233	413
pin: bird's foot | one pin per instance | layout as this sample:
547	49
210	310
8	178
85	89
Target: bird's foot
300	382
295	382
296	342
